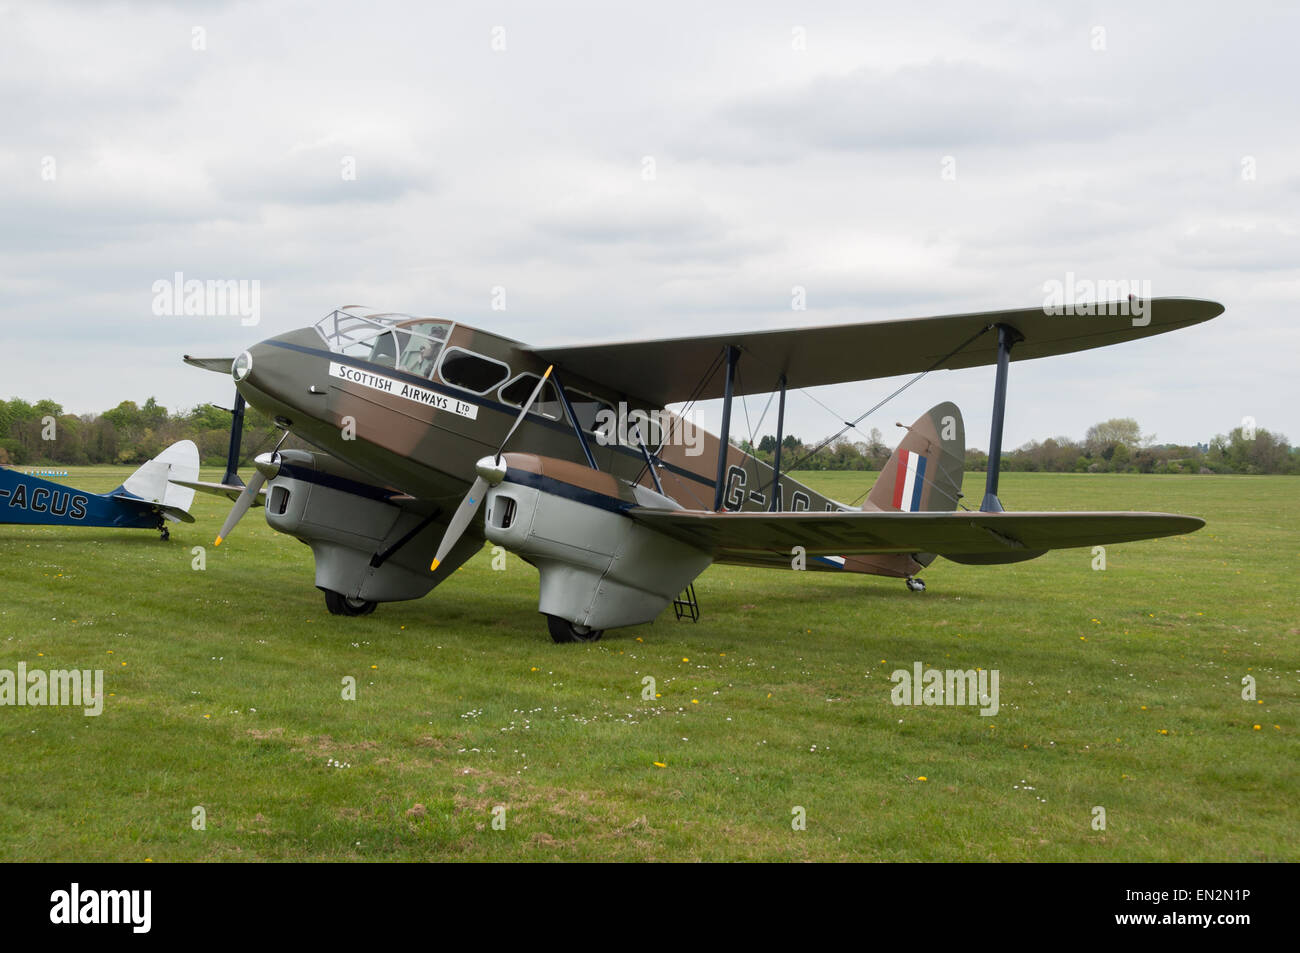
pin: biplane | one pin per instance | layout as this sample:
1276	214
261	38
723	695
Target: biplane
149	498
420	424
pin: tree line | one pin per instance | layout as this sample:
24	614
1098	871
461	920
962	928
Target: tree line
41	433
1112	446
34	434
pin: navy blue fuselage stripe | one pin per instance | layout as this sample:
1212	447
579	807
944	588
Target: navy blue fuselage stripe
567	490
466	396
334	482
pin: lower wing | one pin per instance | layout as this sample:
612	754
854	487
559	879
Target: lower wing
964	536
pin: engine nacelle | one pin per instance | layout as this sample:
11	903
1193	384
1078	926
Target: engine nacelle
349	524
599	568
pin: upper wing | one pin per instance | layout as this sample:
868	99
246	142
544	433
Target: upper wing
992	537
671	370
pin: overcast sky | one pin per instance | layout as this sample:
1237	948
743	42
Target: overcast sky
792	144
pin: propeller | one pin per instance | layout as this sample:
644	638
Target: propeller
491	471
267	467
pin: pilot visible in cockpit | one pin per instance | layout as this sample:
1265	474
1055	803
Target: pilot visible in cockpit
427	359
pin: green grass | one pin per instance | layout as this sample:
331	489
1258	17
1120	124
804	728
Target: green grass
226	694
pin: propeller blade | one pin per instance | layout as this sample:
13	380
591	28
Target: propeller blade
242	504
461	519
524	410
490	472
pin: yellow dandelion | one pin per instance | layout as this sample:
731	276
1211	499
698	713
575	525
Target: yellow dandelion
696	701
923	778
659	764
1257	727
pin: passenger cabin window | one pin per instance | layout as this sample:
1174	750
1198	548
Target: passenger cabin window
423	345
547	403
587	408
474	372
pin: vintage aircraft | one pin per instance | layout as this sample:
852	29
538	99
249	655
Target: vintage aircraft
149	498
418	421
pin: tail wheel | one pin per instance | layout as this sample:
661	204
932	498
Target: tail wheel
562	630
916	585
339	604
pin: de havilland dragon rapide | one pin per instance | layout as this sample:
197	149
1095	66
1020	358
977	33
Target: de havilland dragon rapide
431	436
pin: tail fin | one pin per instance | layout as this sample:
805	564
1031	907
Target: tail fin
152	481
925	471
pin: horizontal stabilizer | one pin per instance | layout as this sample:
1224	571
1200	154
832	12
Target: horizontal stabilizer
991	537
219	364
174	513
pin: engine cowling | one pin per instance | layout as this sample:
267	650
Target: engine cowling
598	567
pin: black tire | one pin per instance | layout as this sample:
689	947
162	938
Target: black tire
916	585
339	604
562	630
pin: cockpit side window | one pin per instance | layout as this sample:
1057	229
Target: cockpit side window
423	345
384	350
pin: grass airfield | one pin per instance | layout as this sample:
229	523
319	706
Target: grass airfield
1119	689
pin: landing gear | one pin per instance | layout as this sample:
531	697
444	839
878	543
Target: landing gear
916	585
339	604
164	535
562	630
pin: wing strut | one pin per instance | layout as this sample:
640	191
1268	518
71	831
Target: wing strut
1007	337
573	419
724	438
776	461
236	435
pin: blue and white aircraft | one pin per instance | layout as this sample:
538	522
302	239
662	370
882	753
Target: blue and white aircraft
148	499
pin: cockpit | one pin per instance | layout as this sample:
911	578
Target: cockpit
419	346
399	341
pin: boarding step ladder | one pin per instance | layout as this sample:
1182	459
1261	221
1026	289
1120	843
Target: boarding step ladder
687	605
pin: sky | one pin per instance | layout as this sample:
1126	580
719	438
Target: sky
580	172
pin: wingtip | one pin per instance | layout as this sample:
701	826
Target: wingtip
218	542
434	566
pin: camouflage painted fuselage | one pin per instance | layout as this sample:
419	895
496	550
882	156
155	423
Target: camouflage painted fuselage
422	435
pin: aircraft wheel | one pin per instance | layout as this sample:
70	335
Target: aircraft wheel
339	604
165	534
562	630
916	585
